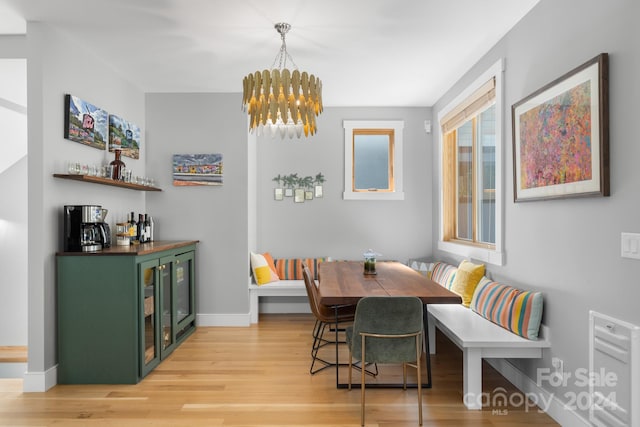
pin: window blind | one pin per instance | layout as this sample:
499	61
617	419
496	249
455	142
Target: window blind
479	100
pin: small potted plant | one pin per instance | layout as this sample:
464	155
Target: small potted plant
289	182
307	182
278	192
319	180
298	183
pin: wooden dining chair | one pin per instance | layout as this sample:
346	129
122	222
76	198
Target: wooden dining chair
325	316
387	330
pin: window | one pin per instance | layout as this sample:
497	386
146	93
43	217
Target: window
470	191
373	160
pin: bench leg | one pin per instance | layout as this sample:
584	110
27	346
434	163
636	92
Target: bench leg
432	335
472	378
253	306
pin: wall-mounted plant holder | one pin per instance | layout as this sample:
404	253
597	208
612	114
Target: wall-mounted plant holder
299	188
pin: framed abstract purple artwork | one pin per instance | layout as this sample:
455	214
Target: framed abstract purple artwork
561	136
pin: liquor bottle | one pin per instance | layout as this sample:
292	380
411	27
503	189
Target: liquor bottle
152	228
140	228
116	166
133	229
147	228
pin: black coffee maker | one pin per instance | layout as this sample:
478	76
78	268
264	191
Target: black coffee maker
85	229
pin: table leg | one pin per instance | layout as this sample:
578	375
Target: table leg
425	320
337	361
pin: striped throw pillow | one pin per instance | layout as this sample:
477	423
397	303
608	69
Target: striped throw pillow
515	310
291	268
443	274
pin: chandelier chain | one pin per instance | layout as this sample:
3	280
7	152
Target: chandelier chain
283	55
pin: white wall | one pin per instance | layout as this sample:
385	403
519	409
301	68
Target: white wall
58	65
13	190
331	226
570	249
217	216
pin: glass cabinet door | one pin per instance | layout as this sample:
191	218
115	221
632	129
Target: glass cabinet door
185	300
167	335
149	337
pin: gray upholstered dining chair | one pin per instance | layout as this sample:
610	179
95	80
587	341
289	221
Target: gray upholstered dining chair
325	316
387	330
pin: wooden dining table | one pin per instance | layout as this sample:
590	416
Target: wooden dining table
344	283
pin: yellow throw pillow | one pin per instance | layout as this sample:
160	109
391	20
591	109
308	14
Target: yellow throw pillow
262	272
466	280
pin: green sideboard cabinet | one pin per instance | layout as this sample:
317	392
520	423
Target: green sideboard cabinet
122	310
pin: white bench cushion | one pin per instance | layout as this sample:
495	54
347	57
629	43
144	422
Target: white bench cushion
468	329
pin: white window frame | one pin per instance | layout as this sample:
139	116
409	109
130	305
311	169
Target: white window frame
493	255
349	126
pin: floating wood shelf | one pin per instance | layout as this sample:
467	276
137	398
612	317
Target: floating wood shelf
107	181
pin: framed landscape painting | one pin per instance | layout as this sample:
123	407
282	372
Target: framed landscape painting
197	169
124	135
85	123
561	136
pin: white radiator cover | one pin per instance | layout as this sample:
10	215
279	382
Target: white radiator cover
614	364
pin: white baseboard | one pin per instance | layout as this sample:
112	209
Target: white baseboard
35	382
223	319
12	370
233	319
553	406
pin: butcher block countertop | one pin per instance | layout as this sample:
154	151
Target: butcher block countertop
139	249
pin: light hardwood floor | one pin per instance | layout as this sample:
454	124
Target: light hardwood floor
259	376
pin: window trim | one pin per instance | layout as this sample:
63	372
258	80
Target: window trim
492	255
362	125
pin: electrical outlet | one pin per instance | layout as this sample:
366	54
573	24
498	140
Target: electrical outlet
558	365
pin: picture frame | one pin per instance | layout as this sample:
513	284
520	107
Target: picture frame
85	123
278	194
299	195
308	195
197	169
125	136
318	191
561	136
288	192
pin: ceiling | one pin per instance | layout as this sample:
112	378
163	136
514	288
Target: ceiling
366	52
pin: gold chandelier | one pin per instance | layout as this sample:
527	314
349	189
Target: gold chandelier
280	101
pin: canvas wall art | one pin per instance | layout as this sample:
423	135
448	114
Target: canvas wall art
124	135
197	169
561	136
85	123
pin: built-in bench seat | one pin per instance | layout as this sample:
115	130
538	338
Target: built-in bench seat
281	288
478	338
282	279
499	322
